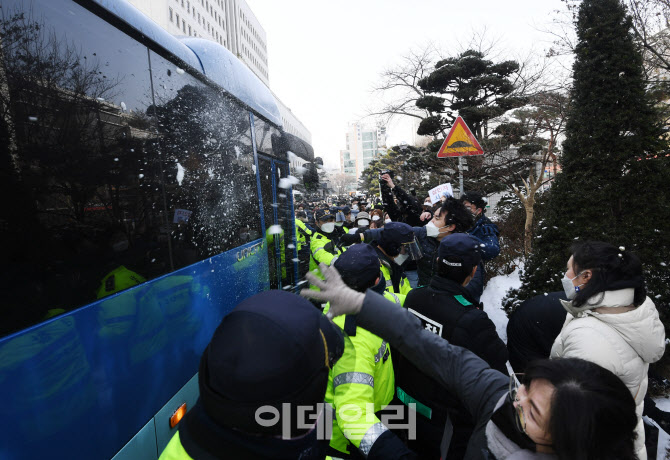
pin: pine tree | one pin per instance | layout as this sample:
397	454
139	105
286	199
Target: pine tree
611	187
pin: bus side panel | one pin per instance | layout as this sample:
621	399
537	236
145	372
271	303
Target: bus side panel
83	384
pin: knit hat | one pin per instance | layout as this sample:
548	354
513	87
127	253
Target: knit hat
273	348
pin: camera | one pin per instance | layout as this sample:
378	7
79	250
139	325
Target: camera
385	171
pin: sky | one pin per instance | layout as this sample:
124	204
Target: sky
324	57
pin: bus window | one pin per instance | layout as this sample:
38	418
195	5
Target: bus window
277	204
84	193
205	145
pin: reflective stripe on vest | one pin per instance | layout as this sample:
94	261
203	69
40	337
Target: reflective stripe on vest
381	351
373	433
395	297
353	377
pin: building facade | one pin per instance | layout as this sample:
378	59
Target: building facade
364	143
230	23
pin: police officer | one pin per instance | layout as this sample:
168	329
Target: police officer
451	217
392	249
446	308
486	232
269	359
304	234
363	377
324	246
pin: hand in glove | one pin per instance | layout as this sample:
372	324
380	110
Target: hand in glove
348	239
343	300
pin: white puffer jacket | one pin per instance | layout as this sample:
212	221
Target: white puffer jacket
624	343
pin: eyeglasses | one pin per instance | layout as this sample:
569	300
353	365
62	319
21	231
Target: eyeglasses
520	419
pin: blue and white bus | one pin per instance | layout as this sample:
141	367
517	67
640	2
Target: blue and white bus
146	191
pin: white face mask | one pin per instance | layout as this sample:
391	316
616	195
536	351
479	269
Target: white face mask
355	207
328	227
400	259
386	221
433	230
363	223
375	217
428	204
570	289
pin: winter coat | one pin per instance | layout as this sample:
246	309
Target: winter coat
533	327
428	245
199	437
425	267
408	209
459	371
487	233
446	309
396	281
362	378
624	343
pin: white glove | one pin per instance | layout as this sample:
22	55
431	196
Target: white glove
343	300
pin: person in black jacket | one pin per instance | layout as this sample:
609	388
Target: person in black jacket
407	210
533	327
446	308
566	409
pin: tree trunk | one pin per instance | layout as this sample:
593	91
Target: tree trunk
528	228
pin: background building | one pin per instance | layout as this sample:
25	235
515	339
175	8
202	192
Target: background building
364	144
230	23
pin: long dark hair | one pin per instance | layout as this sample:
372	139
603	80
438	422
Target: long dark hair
592	411
613	268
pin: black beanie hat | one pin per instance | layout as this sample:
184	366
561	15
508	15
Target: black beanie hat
273	348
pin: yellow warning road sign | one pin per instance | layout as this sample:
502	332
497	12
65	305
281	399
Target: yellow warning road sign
460	142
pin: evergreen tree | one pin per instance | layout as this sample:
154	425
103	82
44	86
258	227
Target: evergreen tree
469	85
611	187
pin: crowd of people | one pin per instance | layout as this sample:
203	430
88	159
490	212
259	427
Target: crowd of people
395	357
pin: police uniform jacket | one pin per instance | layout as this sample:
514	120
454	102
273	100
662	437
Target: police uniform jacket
323	250
362	377
429	245
396	281
446	309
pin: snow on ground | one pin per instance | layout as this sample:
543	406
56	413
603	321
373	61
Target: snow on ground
492	298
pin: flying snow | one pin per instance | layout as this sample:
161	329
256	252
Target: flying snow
180	173
286	182
275	230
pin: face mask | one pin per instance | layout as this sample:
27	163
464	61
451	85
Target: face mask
328	227
355	207
375	218
503	418
433	230
386	221
339	224
363	223
570	289
400	259
428	204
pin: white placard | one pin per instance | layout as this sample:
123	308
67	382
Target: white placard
437	192
181	215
